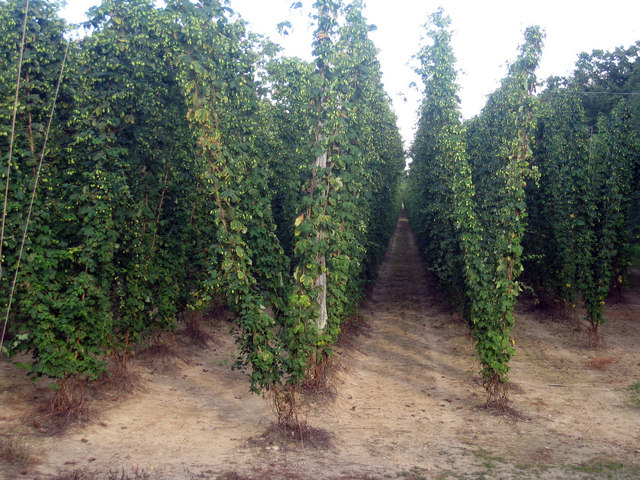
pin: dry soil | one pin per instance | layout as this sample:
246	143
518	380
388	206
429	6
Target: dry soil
408	402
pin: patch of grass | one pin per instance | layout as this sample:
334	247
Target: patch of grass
635	394
489	461
85	474
607	469
15	450
531	469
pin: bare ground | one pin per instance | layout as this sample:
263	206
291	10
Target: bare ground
409	403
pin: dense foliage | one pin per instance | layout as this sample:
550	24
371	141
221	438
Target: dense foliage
438	161
581	234
188	160
526	182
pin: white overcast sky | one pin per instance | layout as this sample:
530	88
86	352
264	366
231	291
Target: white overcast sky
486	37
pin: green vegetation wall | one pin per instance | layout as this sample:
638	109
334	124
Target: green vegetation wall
187	160
529	182
466	194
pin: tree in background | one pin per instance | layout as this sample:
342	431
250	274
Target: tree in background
603	78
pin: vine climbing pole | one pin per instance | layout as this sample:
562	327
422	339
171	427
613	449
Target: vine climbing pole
467	198
320	164
499	146
319	188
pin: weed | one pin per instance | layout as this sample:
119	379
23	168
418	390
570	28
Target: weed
116	381
320	383
285	402
15	450
355	327
497	393
68	405
607	469
489	461
635	394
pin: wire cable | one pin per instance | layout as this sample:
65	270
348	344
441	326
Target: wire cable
33	196
12	136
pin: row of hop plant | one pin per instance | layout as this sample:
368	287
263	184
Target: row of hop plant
524	183
188	159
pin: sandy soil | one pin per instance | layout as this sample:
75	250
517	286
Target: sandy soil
408	403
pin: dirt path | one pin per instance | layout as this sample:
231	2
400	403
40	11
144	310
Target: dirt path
408	403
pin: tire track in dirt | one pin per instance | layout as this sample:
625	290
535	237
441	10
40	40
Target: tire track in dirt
404	315
411	401
400	373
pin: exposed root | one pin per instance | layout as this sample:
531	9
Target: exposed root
193	329
355	326
116	380
497	393
596	340
68	406
285	404
321	378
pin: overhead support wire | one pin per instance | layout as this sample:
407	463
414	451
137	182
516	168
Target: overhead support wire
12	135
33	195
